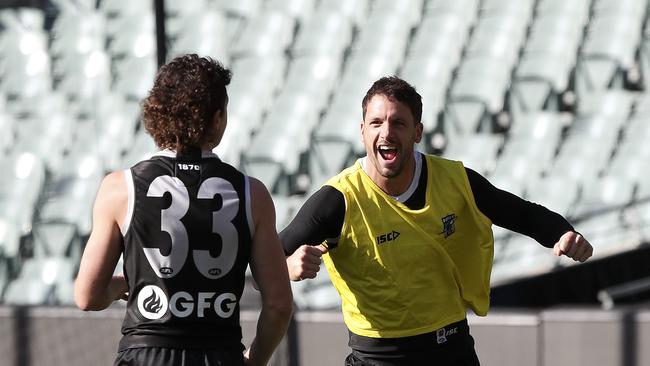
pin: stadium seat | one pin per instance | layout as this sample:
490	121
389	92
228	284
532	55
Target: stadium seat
300	10
538	84
431	76
614	104
38	279
268	172
548	57
355	10
26	76
314	76
342	121
476	151
544	127
20	188
520	9
409	11
610	193
247	73
179	12
52	239
326	33
608	51
134	76
608	234
9	238
109	133
328	158
497	38
246	9
32	291
4	275
362	70
64	293
71	193
286	132
120	8
523	257
577	10
204	33
525	160
317	294
143	147
236	139
599	129
514	185
77	32
46	136
269	34
573	154
630	162
441	36
85	79
556	192
382	35
8	126
467	9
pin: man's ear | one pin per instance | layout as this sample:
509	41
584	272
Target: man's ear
216	118
419	128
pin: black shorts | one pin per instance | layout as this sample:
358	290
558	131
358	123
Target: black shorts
160	356
450	345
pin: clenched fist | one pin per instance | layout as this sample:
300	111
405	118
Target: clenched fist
305	262
574	246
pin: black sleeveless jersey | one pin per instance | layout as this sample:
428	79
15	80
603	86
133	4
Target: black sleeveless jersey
187	242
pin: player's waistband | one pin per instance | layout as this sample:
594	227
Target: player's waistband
435	339
184	342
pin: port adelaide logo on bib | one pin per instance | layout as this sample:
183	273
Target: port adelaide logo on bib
448	225
152	302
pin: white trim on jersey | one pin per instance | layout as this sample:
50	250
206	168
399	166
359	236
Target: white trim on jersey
130	188
172	154
416	179
249	210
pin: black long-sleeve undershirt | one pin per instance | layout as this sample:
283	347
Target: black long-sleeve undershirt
321	217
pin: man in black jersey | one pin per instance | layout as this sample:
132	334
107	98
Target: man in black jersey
407	239
187	225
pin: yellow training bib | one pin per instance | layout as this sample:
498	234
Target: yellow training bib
403	272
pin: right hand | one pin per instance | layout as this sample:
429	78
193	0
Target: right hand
305	262
119	288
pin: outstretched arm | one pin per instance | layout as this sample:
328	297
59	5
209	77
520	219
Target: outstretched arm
514	213
270	273
96	287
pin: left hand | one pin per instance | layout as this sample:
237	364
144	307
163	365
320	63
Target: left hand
573	245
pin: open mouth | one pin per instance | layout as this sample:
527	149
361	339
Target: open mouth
387	152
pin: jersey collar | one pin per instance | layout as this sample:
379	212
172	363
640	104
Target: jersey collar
414	181
169	153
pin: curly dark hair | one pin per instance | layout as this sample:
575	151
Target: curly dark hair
180	107
395	89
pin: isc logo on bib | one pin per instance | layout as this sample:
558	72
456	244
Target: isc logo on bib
152	302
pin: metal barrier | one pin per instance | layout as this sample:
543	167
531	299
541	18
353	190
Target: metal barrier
552	337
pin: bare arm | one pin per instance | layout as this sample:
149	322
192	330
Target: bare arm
270	273
96	287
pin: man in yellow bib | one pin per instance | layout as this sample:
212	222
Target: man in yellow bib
407	239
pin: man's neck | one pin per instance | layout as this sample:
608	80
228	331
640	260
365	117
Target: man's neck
397	186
